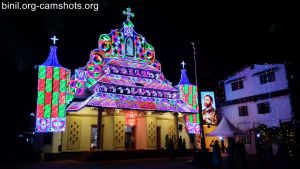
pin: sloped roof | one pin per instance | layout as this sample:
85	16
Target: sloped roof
120	101
52	58
123	73
226	129
183	79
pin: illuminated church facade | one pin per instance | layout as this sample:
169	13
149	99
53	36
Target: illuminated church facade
120	100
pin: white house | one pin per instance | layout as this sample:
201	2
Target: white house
258	94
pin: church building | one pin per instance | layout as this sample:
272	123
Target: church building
120	100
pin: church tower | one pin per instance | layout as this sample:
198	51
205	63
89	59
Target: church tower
189	94
53	80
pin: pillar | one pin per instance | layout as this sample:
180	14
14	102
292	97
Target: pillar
99	128
176	128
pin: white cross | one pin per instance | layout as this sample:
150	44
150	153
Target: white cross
128	13
54	39
183	64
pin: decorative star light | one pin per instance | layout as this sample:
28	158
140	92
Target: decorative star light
54	39
183	64
128	13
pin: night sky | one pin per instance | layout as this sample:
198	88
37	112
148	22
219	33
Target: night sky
228	37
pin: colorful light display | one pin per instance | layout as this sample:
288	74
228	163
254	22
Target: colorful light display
51	101
189	94
193	128
52	94
121	73
131	117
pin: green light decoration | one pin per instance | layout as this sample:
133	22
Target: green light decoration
56	73
41	97
69	97
62	86
90	82
48	85
55	97
104	37
42	72
47	112
285	133
61	110
128	24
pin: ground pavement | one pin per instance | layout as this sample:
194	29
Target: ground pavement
149	163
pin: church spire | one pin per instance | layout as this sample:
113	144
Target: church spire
52	57
184	79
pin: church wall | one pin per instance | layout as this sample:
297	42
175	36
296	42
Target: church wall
151	132
119	132
115	122
165	121
184	135
56	142
77	136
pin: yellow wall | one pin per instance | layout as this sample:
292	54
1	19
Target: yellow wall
86	117
163	121
209	139
151	132
56	142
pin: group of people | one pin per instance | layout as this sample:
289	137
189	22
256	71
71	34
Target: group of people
236	153
171	143
271	153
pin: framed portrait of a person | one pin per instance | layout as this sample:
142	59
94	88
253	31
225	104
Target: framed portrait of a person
209	114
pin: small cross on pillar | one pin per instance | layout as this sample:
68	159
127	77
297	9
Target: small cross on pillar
54	39
183	64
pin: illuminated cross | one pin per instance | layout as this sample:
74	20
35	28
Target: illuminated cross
128	13
183	63
54	39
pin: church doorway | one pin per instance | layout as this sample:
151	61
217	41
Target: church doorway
130	137
93	137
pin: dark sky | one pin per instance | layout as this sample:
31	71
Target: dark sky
230	35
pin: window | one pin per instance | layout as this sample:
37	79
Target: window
243	111
263	108
237	85
267	77
129	47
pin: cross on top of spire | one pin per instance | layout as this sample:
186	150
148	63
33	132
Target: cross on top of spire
183	64
54	39
128	13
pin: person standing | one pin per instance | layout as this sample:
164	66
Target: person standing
183	144
132	145
216	157
231	153
241	153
